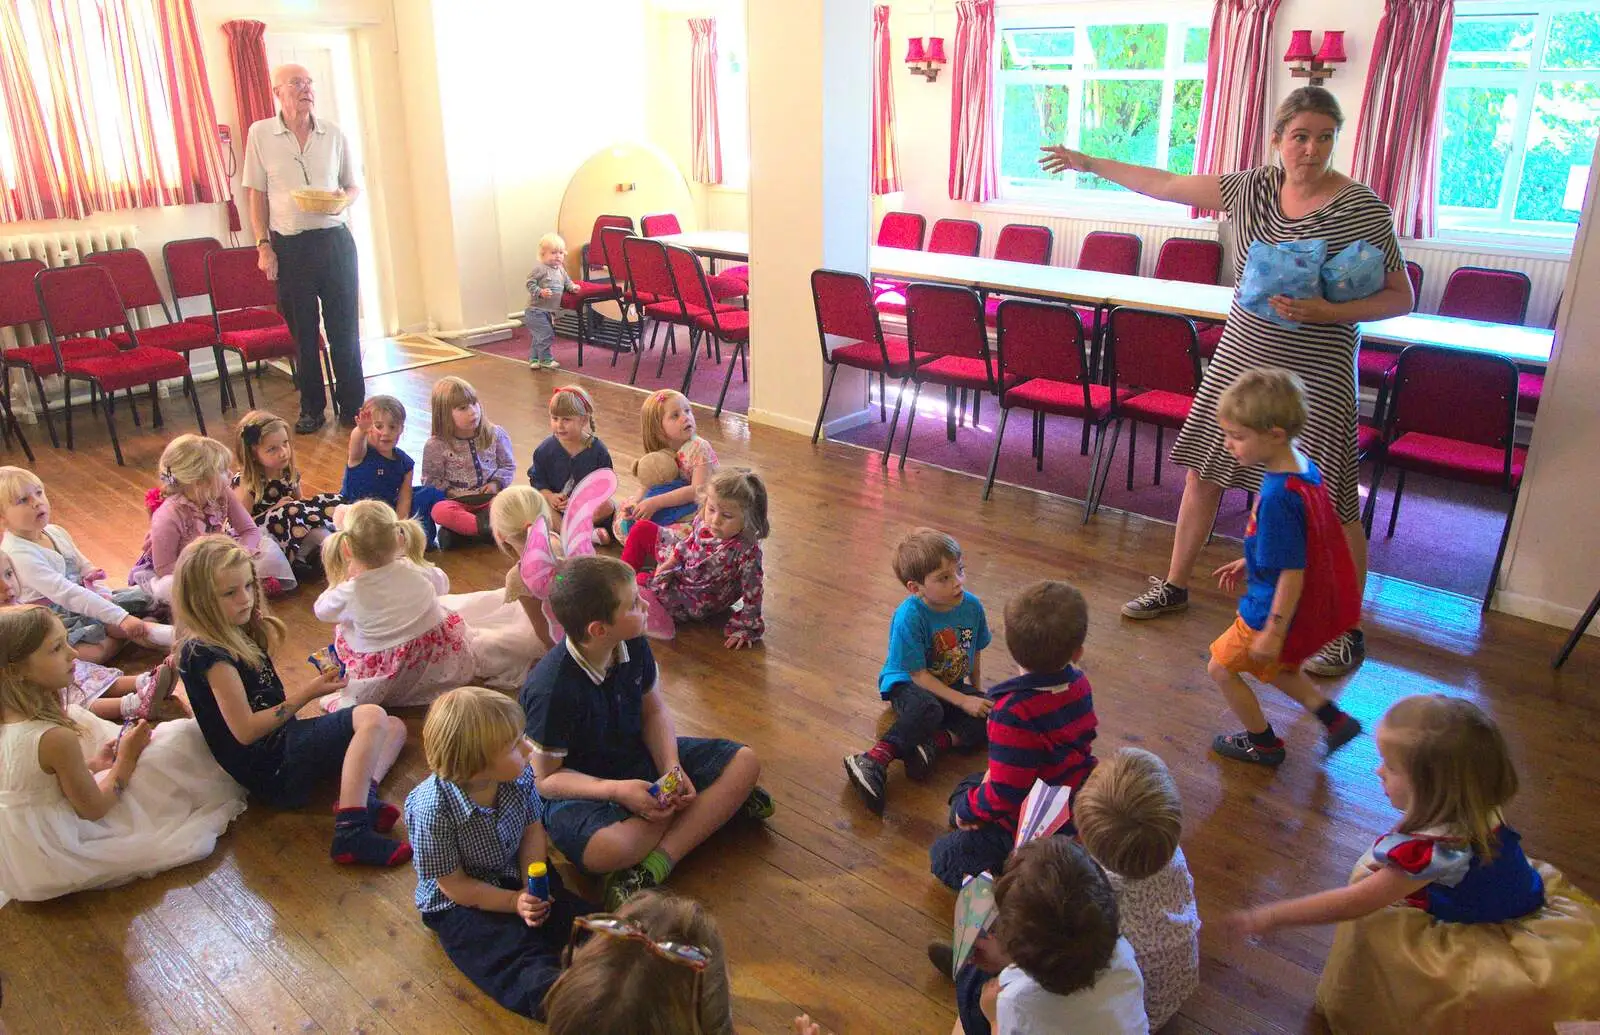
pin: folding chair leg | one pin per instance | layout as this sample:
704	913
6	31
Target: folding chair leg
66	404
911	422
194	400
1095	465
155	408
224	389
1083	446
1133	444
1500	552
639	351
1159	430
1105	472
670	343
688	371
581	335
94	405
894	422
727	379
744	363
1372	497
132	405
249	392
977	411
994	461
111	425
1577	633
1394	508
1038	441
44	408
883	397
953	408
10	422
827	390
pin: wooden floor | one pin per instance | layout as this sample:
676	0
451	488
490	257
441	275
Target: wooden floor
826	908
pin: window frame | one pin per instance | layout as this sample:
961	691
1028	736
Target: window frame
1055	196
733	85
1499	226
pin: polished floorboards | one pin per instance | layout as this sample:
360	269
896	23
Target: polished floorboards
825	908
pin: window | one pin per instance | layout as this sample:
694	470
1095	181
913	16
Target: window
1521	107
1110	85
733	98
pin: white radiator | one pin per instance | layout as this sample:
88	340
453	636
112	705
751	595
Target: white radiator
1070	232
1548	274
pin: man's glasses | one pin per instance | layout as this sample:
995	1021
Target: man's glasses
300	160
298	83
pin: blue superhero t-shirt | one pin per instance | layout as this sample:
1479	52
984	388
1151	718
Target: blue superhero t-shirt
1274	541
946	643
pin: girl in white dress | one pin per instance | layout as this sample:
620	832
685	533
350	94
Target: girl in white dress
78	809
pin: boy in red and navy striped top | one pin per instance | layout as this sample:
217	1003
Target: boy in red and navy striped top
1042	727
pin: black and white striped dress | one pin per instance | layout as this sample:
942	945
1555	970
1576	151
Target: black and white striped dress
1324	355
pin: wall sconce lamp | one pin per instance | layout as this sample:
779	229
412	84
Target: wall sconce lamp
1318	66
925	62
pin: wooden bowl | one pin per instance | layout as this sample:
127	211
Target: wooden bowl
320	202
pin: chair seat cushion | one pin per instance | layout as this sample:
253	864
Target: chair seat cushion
865	355
1169	409
241	319
174	337
261	343
586	292
1043	395
1529	388
891	302
729	325
1454	459
42	359
1087	315
959	371
724	287
1208	336
670	312
1367	439
130	367
740	272
1373	366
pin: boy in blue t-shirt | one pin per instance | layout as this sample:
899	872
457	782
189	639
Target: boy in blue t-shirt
1261	413
931	677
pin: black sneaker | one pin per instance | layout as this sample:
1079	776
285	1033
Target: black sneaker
1344	729
867	774
448	540
919	763
1340	655
757	806
309	423
1162	598
624	884
1239	747
943	957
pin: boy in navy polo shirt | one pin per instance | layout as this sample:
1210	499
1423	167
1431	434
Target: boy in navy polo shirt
1298	577
931	676
1042	727
602	734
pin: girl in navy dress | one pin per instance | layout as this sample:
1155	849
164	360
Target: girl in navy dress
1446	925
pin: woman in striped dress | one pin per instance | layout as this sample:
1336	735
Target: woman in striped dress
1300	199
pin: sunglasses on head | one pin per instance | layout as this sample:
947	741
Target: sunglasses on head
693	956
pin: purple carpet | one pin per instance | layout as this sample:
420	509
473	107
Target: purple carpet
1446	536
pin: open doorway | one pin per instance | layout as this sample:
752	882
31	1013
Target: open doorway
327	56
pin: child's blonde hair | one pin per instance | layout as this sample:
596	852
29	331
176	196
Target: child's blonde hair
744	489
14	482
467	729
23	630
1129	815
448	393
388	405
375	535
551	242
616	986
653	413
198	614
253	427
1265	398
512	512
572	401
1458	764
191	460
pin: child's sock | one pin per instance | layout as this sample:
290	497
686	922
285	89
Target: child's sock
1328	714
355	842
1266	738
882	752
382	814
944	740
658	865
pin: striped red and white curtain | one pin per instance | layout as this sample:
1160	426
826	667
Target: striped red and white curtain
1233	116
252	80
106	106
885	151
706	161
1397	141
973	161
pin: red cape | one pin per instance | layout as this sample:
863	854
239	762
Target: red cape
1329	603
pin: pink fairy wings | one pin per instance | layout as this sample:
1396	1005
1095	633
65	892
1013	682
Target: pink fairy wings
540	560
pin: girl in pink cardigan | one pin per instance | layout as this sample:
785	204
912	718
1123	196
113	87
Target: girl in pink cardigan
195	499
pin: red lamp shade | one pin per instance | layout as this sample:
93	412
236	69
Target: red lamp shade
1299	46
1332	50
915	55
936	49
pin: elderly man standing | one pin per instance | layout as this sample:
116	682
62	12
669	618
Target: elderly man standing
311	256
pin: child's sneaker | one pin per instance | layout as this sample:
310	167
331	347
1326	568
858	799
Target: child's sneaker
1239	747
154	690
943	957
624	884
1162	598
1344	729
868	776
552	364
757	806
919	762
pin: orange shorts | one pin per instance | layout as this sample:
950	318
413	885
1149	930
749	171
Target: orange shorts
1231	650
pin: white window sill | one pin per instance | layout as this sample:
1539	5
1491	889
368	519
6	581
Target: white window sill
1103	209
1536	246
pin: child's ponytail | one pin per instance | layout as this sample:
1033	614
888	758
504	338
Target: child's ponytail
373	535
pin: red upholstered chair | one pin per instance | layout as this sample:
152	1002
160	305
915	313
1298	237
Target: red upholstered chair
1198	261
1454	416
1106	251
950	347
1020	242
136	283
1153	359
851	335
902	230
589	292
1530	384
236	284
592	255
956	237
616	263
1478	293
1414	274
19	305
651	274
185	261
1042	353
1374	364
718	323
659	225
80	300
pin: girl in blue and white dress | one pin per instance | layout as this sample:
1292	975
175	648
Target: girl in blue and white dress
1446	925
